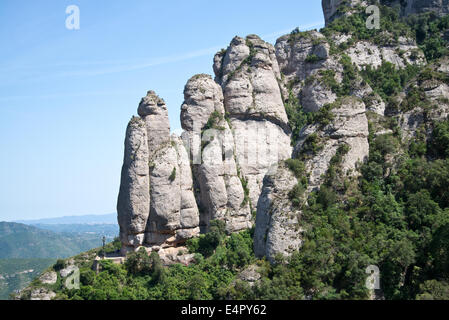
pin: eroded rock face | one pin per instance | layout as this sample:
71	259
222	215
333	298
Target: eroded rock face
260	145
221	194
436	94
305	62
49	277
278	229
331	7
42	294
278	222
156	204
407	7
249	75
174	215
350	127
133	204
292	53
440	7
308	66
364	54
202	96
153	111
236	135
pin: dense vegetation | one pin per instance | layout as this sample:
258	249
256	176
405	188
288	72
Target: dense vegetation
429	30
395	216
219	257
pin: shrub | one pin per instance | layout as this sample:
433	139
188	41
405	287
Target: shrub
349	77
239	251
428	29
87	277
213	122
138	262
312	58
297	118
296	195
440	139
311	145
386	144
328	80
296	166
439	249
172	176
59	265
433	290
388	81
206	244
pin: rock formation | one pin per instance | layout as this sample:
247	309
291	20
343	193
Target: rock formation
235	131
221	194
275	125
249	75
332	9
229	163
156	205
278	226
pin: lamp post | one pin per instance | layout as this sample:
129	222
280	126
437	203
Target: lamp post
104	243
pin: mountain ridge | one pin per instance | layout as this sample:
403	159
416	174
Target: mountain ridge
352	125
110	218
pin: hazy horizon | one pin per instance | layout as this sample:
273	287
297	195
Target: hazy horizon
36	219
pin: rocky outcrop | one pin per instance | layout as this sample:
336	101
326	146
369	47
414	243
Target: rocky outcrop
133	204
333	9
229	163
49	277
310	70
234	133
249	75
156	205
221	194
68	270
402	53
440	7
433	90
349	127
278	222
42	294
250	275
153	112
278	228
292	52
174	215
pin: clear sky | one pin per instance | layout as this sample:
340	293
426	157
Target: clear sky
66	95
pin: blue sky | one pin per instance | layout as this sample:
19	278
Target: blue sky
66	95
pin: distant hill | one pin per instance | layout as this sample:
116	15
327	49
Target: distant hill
16	274
23	241
110	218
27	250
107	229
